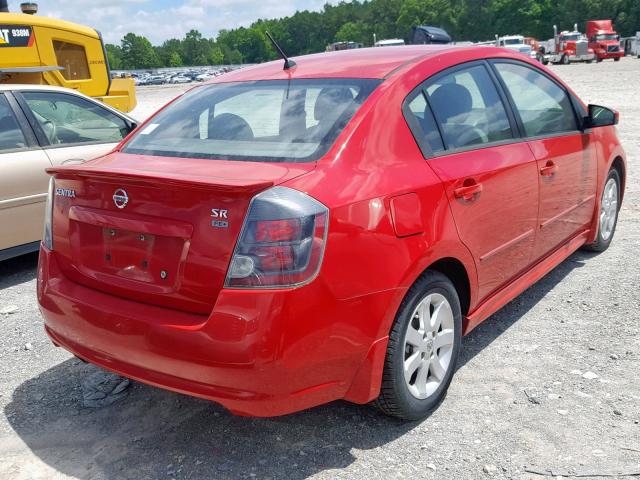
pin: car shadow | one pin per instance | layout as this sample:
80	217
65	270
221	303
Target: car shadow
153	433
18	270
503	319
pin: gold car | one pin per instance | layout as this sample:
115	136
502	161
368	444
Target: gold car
40	127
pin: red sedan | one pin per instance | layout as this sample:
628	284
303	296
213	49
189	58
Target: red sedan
280	238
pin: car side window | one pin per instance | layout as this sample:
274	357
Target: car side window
68	120
426	124
544	107
11	136
468	108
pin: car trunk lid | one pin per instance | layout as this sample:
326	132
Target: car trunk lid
156	230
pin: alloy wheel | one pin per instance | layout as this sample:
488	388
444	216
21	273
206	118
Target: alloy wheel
428	345
608	209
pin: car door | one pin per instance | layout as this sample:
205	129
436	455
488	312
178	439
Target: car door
490	176
72	128
566	156
23	181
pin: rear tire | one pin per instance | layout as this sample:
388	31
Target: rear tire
423	348
616	59
608	213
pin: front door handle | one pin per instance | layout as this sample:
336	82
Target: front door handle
549	169
469	191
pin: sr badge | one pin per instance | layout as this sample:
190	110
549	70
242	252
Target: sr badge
219	217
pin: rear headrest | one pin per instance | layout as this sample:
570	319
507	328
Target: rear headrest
228	126
331	102
450	100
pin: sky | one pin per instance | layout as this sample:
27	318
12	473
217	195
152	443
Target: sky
162	19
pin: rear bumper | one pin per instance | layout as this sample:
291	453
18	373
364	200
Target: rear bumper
259	353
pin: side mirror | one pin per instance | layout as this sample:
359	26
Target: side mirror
132	126
600	117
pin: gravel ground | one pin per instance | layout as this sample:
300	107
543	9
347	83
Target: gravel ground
549	383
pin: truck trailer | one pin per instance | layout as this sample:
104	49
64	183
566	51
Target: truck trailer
631	45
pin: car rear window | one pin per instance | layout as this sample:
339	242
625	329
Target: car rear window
274	120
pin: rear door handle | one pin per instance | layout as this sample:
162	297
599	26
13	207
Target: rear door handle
549	169
469	191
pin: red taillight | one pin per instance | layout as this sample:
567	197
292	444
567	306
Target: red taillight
282	240
278	230
274	258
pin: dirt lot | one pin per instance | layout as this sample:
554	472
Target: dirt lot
549	383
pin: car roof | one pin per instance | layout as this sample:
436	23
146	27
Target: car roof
21	87
30	86
356	63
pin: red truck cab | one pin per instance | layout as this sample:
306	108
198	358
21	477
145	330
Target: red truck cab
604	40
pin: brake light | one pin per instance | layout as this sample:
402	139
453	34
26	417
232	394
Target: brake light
47	235
278	230
282	241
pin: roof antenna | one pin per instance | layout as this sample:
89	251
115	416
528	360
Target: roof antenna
288	63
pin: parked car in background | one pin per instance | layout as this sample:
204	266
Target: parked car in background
604	40
277	238
427	35
41	127
391	42
336	46
156	80
180	79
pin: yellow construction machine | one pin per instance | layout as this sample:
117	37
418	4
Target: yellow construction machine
42	50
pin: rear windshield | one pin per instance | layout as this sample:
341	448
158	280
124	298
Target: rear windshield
274	120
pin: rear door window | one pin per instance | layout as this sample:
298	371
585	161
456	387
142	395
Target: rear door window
276	120
423	125
468	108
11	136
544	107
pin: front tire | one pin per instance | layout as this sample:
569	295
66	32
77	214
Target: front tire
565	60
608	214
423	349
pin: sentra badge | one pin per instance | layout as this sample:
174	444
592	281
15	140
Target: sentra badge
120	198
65	192
219	217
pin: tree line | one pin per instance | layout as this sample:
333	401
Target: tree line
358	21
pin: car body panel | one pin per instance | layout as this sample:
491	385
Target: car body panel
568	196
23	192
508	177
24	182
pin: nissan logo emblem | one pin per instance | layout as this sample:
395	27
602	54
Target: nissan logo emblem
120	198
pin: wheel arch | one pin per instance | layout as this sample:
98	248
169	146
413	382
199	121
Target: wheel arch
366	383
455	271
619	165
